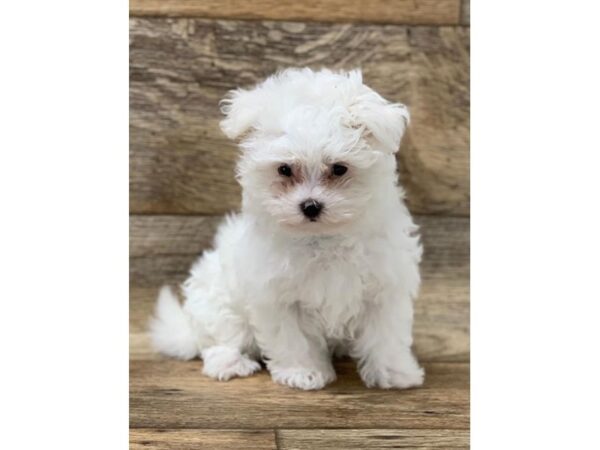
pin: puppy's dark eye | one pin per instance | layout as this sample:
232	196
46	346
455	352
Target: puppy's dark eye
339	169
285	170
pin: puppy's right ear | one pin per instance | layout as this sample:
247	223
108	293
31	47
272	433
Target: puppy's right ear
241	110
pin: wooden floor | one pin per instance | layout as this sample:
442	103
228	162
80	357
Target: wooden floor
173	406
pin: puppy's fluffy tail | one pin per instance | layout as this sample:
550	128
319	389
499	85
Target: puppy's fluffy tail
171	328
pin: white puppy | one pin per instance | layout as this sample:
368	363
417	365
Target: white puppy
323	258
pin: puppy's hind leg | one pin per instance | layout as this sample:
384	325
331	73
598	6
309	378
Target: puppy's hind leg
231	352
228	338
176	333
224	362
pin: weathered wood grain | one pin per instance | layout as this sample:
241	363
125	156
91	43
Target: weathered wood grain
170	235
398	11
371	439
465	12
164	439
181	163
174	394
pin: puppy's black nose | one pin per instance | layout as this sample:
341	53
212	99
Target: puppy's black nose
311	209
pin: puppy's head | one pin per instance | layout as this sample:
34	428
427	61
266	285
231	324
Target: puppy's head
317	148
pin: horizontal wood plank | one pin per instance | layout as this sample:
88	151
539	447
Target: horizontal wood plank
163	247
445	239
153	235
371	439
174	394
164	439
398	11
180	163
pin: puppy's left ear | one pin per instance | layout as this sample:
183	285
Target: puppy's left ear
241	109
384	122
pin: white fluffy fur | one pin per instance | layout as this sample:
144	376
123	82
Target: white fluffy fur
293	291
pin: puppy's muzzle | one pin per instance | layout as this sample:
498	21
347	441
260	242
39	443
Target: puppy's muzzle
311	209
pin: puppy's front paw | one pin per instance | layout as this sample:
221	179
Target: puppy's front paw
391	378
301	378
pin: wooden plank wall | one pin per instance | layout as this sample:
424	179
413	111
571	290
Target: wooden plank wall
184	56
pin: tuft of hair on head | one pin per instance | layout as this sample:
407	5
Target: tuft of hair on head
381	122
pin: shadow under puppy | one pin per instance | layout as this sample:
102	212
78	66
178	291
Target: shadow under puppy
323	258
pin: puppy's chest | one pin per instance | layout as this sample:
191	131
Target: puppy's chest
330	281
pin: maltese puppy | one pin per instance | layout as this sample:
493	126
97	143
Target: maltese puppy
324	257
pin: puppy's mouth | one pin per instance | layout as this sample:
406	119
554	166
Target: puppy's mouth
321	224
